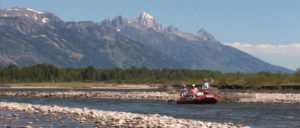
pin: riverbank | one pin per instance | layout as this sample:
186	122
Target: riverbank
80	85
112	118
231	97
286	98
128	95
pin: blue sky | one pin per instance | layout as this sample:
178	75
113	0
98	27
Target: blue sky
255	22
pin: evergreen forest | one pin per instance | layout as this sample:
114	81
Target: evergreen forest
134	75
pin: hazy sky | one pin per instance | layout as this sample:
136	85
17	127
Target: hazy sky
255	22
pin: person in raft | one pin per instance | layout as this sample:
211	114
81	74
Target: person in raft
183	91
194	91
205	86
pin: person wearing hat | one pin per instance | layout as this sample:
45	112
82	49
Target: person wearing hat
194	91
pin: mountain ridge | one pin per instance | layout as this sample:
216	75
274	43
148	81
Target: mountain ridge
57	44
116	42
153	38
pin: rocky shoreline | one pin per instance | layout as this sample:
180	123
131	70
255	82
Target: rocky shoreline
18	119
112	118
131	95
285	98
282	98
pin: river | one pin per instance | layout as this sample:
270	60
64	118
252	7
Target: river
254	115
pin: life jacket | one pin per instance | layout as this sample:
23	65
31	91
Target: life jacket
183	92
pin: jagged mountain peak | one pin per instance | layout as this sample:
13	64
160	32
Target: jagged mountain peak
145	15
116	22
146	21
202	33
121	19
134	42
146	18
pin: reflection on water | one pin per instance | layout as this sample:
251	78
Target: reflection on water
255	115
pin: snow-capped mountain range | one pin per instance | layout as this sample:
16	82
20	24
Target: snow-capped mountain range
32	37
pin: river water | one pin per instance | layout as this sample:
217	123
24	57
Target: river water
254	115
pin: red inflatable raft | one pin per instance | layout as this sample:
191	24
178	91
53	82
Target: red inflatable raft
204	99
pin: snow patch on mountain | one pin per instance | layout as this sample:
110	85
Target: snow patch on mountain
45	20
38	12
146	15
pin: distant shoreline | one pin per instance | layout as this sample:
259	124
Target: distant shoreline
100	85
148	93
78	85
127	86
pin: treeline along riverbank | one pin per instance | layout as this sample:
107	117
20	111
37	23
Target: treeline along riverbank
134	75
